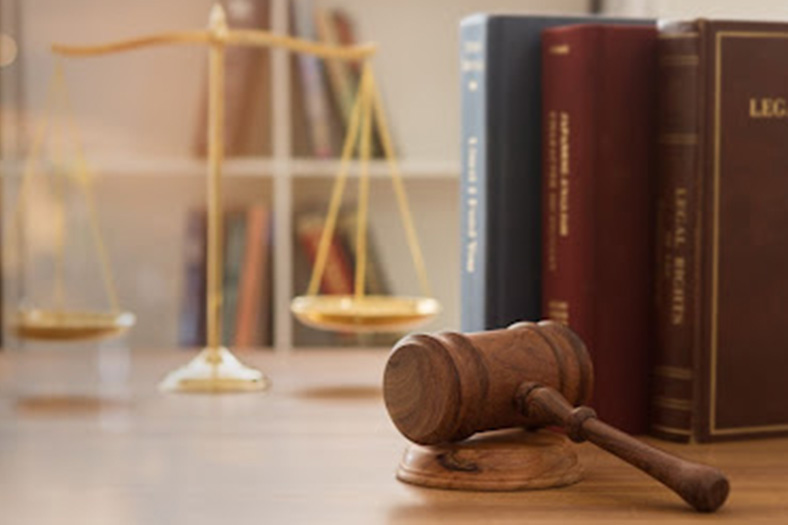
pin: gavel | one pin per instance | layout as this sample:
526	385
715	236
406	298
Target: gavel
446	387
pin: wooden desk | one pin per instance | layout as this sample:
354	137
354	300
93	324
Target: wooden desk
318	448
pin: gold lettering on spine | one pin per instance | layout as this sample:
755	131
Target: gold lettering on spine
563	181
768	107
552	190
472	65
678	280
558	311
471	248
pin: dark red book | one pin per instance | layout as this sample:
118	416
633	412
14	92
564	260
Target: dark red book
599	108
338	274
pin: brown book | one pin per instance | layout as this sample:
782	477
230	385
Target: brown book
247	100
599	106
721	229
252	327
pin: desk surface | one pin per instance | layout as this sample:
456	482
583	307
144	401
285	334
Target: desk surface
86	438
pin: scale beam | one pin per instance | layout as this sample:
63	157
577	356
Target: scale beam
356	313
232	37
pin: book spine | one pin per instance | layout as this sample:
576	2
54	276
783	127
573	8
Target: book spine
338	274
339	74
374	280
235	227
191	329
341	27
678	233
568	180
246	72
253	275
473	73
315	94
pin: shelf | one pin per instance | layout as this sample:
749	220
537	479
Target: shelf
253	167
427	169
178	167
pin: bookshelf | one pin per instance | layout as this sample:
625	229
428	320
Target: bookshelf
139	112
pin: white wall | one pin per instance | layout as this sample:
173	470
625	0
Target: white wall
678	9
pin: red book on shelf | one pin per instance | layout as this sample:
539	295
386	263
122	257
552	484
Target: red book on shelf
338	275
599	100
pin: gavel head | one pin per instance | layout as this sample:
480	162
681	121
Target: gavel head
446	387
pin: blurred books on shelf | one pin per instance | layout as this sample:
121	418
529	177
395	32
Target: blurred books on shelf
247	97
234	247
313	86
246	281
338	277
324	90
191	328
253	318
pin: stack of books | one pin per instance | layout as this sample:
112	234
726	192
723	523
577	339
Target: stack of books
627	178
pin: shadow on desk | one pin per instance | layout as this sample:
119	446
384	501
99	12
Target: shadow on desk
340	393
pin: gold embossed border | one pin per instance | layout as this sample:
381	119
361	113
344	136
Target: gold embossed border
713	429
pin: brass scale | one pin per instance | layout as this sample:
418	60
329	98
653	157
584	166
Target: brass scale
215	369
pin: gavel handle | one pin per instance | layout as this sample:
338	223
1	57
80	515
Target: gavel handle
703	487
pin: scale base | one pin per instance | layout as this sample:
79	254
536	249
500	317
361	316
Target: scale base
495	461
207	374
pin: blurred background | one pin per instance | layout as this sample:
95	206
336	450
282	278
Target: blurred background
140	117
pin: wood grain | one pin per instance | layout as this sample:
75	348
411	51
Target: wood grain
512	459
702	486
317	449
447	386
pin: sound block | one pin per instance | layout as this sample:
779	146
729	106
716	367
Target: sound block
512	459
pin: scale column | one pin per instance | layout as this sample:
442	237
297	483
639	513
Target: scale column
218	27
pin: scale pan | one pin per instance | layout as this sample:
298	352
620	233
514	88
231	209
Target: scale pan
370	313
60	325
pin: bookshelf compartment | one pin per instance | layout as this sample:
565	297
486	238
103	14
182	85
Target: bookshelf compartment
144	230
140	114
434	204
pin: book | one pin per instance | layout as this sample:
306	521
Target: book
342	79
375	282
500	209
598	185
338	275
247	92
335	27
314	90
346	34
721	289
234	246
338	278
252	325
191	328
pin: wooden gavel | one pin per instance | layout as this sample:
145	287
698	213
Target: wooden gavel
445	387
